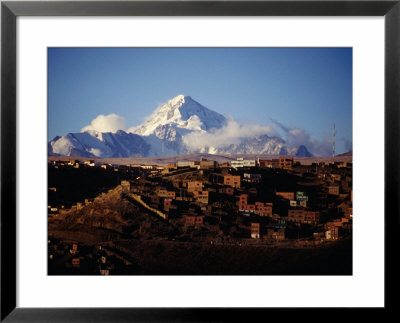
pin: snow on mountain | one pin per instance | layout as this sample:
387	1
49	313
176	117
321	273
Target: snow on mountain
163	134
263	145
97	144
181	113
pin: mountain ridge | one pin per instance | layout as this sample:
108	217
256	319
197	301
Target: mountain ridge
166	132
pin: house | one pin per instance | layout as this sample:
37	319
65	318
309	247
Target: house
74	163
275	233
251	178
341	164
249	163
333	189
183	163
258	208
194	186
227	190
232	180
240	162
74	249
207	164
296	215
285	162
265	163
201	196
242	204
255	230
263	209
237	163
311	217
333	228
286	195
194	220
303	216
303	203
165	193
275	163
89	163
171	166
332	232
76	262
167	204
301	196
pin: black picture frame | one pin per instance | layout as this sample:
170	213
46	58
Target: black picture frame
10	10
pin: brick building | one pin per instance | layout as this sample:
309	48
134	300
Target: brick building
255	230
167	204
201	196
194	220
194	186
265	163
232	180
333	189
303	216
275	233
259	208
285	162
286	195
207	164
165	193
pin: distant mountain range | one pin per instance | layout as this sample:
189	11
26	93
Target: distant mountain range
166	133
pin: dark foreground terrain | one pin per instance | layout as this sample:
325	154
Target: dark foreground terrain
184	258
133	241
117	221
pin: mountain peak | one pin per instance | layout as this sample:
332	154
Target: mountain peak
176	101
181	112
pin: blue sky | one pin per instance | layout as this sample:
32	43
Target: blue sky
297	88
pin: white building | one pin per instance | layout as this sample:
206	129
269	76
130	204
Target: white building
240	162
185	163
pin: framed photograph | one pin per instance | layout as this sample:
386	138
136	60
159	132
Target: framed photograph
197	160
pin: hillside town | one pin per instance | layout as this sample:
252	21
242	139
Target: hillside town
257	203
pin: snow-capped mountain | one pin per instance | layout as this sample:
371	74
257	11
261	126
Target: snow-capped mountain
99	144
163	133
264	145
181	113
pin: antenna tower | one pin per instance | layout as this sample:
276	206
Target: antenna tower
333	143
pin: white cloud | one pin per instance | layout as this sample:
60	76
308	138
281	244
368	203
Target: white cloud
298	136
231	133
108	123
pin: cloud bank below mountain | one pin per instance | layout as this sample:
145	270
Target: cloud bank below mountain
106	123
232	133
